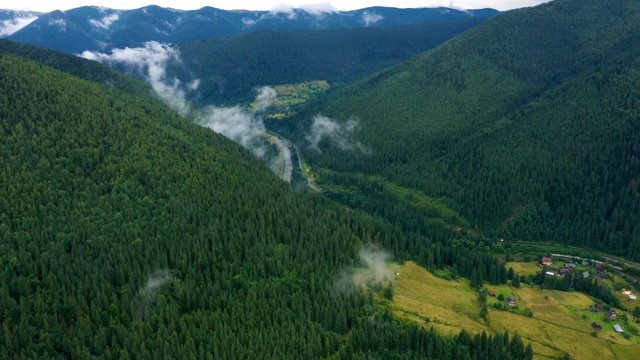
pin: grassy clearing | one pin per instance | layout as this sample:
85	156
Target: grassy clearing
290	95
524	268
560	323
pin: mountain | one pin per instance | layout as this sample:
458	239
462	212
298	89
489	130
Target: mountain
74	65
128	232
230	68
526	125
14	20
101	29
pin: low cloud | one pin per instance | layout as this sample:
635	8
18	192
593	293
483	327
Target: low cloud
147	295
238	125
318	8
338	134
267	97
60	23
8	27
375	267
315	9
106	21
284	9
151	62
248	22
371	18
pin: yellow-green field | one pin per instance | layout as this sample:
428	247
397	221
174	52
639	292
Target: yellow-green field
290	95
524	268
560	323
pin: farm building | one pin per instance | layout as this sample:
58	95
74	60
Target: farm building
546	261
570	265
511	301
632	297
563	272
597	307
492	293
618	328
596	326
585	274
611	314
550	273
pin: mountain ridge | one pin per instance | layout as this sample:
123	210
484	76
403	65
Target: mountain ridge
94	28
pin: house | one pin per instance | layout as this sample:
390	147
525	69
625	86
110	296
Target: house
563	272
600	268
597	307
550	273
545	261
570	265
596	326
632	297
601	276
611	314
585	263
511	301
618	328
492	293
585	274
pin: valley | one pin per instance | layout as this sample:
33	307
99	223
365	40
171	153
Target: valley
304	183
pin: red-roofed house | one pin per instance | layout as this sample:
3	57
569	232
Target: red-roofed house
546	261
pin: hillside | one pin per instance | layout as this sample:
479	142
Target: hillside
230	68
95	28
77	66
526	125
128	232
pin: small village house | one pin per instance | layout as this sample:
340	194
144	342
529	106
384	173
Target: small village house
492	293
511	301
585	274
618	328
611	314
597	307
546	261
596	326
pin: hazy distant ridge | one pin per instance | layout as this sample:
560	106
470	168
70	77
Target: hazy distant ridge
96	28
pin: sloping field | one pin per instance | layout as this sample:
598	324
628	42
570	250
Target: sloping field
524	268
560	322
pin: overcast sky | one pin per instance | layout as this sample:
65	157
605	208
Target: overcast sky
46	6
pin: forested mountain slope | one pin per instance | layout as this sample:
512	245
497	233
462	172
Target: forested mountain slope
230	68
527	125
127	232
77	66
95	28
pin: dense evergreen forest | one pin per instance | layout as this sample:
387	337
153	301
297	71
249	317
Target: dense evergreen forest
128	232
74	65
526	126
230	68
